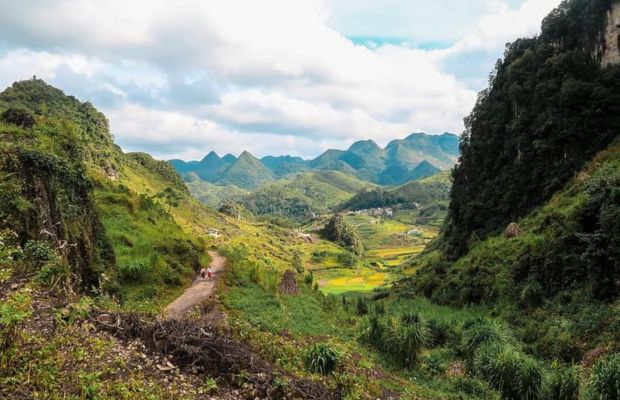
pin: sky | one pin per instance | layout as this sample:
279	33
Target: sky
179	79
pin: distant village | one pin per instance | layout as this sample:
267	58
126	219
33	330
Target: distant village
374	212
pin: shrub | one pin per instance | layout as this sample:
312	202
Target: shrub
439	331
563	384
318	256
347	259
135	273
361	307
298	262
476	333
13	312
321	359
408	337
309	278
604	383
532	294
19	116
42	259
515	375
38	253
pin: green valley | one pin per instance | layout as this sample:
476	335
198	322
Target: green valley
436	267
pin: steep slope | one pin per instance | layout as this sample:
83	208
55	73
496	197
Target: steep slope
550	107
534	231
561	264
123	216
246	172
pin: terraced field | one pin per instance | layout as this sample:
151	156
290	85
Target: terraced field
388	242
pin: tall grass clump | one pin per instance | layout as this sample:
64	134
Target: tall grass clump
563	384
408	338
515	375
321	359
402	336
477	333
604	383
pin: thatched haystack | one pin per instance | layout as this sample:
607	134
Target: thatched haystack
513	230
289	284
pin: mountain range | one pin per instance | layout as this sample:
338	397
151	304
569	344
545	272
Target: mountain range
417	156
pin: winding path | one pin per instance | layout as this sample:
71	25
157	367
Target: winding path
199	291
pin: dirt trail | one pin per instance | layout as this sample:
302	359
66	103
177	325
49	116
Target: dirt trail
199	291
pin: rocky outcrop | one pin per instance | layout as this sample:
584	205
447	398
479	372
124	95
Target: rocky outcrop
612	36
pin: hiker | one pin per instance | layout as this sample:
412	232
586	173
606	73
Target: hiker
209	273
203	273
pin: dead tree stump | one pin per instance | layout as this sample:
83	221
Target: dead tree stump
289	284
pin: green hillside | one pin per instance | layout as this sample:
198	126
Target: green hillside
131	217
246	172
550	108
213	195
425	192
559	277
305	195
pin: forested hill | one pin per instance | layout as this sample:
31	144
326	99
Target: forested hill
434	189
553	102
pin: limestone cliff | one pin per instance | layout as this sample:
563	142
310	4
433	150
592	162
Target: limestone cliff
612	36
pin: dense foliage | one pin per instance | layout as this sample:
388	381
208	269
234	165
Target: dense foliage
549	109
338	231
411	195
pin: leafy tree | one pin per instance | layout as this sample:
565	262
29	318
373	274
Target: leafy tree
338	231
19	116
170	197
298	262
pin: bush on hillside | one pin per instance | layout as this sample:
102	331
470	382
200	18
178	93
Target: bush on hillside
477	333
604	383
338	231
563	384
19	116
321	359
347	259
515	375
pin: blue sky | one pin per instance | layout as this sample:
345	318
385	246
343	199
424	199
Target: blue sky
271	76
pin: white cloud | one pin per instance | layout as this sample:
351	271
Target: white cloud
272	76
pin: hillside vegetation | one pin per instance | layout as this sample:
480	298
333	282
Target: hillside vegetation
425	192
533	236
549	109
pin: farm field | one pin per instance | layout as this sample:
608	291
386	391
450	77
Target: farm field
388	242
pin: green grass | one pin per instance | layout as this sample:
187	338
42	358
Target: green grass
299	315
155	257
351	282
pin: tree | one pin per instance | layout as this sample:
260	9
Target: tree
170	197
298	262
338	231
19	116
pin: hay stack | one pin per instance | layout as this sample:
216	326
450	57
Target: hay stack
513	230
289	284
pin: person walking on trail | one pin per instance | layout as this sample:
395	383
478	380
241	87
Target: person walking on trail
209	273
203	273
